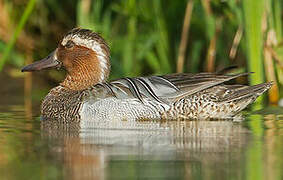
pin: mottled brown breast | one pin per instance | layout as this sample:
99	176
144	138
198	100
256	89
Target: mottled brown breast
62	104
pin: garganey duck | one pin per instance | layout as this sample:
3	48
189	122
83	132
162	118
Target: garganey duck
85	94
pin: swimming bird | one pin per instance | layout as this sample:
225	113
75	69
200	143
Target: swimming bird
86	96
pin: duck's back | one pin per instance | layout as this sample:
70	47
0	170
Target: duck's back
202	95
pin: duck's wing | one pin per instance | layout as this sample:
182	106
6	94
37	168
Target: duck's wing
189	84
165	88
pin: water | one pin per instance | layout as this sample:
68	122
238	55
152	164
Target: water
251	149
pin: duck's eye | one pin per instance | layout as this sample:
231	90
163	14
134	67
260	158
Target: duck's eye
69	44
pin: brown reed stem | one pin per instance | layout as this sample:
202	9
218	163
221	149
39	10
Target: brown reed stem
236	42
184	37
28	89
211	52
273	93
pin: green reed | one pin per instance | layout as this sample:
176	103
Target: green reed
253	13
17	32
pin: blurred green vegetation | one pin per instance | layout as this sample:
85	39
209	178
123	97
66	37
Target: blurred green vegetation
145	35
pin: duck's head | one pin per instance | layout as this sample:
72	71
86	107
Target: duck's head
85	56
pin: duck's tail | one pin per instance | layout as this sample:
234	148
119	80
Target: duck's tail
248	92
242	96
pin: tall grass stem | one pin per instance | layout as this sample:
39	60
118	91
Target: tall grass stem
184	37
253	16
17	32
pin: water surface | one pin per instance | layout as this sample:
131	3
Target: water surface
250	149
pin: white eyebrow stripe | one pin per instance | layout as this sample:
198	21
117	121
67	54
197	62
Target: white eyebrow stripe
89	43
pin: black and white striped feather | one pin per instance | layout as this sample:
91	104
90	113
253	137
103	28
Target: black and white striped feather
168	88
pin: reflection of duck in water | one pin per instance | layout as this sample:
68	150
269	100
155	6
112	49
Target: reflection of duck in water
169	146
85	95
